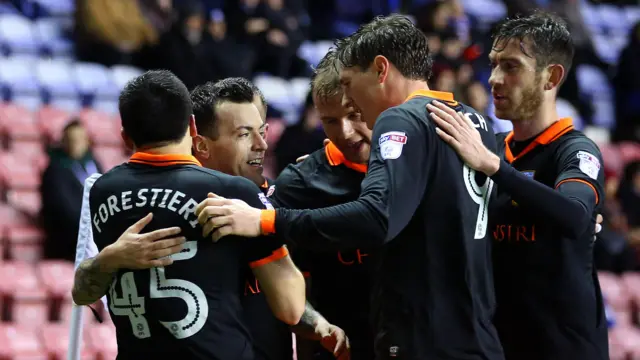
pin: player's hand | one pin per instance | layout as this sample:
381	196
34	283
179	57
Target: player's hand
599	220
133	250
221	217
334	340
461	134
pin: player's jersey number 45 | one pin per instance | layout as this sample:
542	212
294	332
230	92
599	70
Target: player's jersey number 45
133	306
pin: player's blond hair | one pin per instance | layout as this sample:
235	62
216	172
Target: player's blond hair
325	81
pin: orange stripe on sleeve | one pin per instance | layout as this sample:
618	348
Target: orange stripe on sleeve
306	274
275	256
583	182
268	222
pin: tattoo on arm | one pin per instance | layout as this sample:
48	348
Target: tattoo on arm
91	282
307	325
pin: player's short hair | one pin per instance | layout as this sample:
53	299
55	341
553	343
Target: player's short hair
241	82
325	81
207	97
155	108
549	35
394	37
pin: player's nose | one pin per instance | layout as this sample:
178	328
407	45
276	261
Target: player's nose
259	143
495	78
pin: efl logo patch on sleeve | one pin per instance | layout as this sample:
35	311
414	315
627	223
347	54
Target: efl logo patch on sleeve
391	144
589	164
271	190
265	201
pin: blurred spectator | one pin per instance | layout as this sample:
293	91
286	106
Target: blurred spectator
629	194
61	190
273	31
159	13
302	138
627	88
477	97
111	32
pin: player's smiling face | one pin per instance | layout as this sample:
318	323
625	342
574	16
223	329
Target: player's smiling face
345	128
362	90
516	86
240	145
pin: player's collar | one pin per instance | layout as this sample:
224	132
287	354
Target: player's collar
265	184
163	160
549	135
440	95
336	157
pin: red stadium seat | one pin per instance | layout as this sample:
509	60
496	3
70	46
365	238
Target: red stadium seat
25	243
17	173
57	277
627	339
27	201
18	123
10	217
51	122
102	338
55	338
109	157
275	130
21	287
103	129
629	152
631	281
612	159
32	150
18	343
614	291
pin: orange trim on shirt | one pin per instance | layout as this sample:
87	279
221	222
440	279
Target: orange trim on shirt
268	222
336	157
583	182
265	184
306	274
548	136
275	256
163	159
447	97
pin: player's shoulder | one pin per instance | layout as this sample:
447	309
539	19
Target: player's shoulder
576	141
297	173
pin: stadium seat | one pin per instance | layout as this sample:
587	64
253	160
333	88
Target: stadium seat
122	74
56	78
18	122
298	90
57	7
631	281
25	296
629	152
102	338
17	77
103	129
276	91
69	104
276	128
16	173
51	121
49	33
25	243
106	106
31	102
55	339
57	277
27	201
17	34
18	343
612	159
10	217
109	156
94	79
33	151
614	291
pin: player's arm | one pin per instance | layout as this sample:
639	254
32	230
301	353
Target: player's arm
391	192
280	280
132	250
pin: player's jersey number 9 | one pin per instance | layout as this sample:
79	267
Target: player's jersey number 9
481	196
133	306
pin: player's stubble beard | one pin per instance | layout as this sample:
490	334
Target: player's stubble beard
530	101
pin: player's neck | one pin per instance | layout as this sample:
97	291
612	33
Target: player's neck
182	148
528	128
411	86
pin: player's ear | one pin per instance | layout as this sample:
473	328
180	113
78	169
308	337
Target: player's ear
381	66
193	130
128	143
200	147
556	73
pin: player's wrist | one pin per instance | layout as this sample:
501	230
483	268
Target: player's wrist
107	259
267	222
491	165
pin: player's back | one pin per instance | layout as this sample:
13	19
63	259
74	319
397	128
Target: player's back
191	308
436	280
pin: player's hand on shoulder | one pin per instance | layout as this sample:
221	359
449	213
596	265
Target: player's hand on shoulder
334	340
220	217
133	250
461	134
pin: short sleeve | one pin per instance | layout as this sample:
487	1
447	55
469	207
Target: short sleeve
264	249
579	160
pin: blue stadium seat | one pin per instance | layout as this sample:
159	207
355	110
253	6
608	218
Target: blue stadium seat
17	34
109	106
16	77
298	90
485	11
94	80
57	7
50	36
56	79
71	105
595	86
122	74
276	92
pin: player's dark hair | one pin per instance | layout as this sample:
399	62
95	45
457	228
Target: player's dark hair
207	97
241	82
155	108
394	37
550	39
325	81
